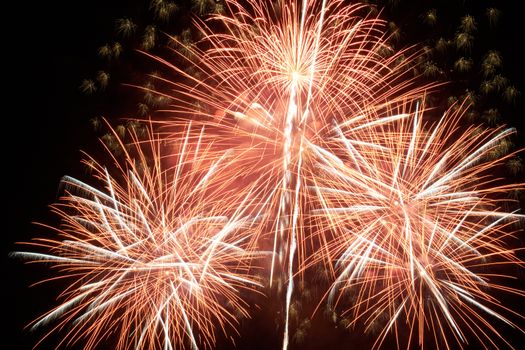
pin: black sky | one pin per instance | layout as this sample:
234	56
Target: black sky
50	46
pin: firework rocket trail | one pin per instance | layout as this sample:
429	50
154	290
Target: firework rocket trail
270	88
156	258
420	221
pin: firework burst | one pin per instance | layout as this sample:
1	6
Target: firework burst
156	258
274	82
301	142
419	228
270	87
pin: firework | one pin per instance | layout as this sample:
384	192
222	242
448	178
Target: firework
301	142
156	259
419	225
270	87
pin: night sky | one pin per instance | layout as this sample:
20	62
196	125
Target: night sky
50	46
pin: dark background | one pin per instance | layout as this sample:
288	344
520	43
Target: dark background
48	47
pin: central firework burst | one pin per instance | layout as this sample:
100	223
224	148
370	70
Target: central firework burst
270	87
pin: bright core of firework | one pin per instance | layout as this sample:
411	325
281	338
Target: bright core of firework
157	258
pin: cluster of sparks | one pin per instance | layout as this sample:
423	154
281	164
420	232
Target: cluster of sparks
302	138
